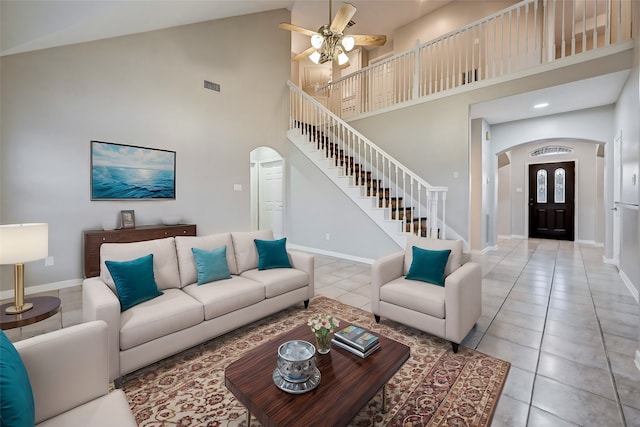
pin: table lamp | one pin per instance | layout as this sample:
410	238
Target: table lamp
20	243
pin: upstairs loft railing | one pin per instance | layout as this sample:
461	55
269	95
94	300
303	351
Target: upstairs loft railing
525	35
418	206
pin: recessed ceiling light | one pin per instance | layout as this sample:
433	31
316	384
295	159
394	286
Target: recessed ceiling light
541	105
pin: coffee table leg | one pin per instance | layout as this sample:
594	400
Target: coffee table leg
248	418
384	399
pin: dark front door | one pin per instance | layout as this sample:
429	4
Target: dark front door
551	200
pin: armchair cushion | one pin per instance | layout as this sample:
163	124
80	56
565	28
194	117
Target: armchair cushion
417	296
211	265
428	266
134	281
455	258
17	406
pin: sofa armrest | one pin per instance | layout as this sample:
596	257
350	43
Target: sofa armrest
100	303
384	270
67	367
463	300
305	262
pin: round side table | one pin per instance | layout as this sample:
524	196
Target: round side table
43	308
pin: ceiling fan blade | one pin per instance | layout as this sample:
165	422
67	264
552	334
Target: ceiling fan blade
342	18
369	40
304	54
291	27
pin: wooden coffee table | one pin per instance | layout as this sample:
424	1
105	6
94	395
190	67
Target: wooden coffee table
347	382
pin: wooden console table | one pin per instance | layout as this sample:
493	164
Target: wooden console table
94	238
43	308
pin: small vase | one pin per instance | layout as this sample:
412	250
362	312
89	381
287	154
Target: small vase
323	342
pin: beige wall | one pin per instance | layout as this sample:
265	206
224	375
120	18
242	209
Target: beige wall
144	89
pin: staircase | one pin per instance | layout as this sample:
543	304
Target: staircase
396	199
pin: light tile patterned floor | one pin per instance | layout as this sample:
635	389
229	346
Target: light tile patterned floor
562	317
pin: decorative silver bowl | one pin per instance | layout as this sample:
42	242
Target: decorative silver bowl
296	361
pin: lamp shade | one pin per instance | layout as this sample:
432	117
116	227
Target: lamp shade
21	243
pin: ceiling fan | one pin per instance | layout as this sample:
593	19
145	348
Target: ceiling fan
330	42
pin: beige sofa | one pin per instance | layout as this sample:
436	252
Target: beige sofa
187	313
69	375
448	311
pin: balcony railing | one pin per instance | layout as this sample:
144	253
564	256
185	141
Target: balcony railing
525	35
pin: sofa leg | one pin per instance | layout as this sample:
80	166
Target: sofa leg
117	383
454	346
377	318
306	303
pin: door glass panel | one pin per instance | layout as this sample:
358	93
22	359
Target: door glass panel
541	179
558	194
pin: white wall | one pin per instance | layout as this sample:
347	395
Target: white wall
626	122
317	208
144	89
503	212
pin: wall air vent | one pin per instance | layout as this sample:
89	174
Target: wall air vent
550	150
211	85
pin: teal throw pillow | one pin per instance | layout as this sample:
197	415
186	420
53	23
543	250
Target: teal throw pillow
211	265
16	406
272	254
134	281
428	266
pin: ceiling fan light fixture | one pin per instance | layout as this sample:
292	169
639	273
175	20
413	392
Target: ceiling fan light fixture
348	43
315	57
316	41
342	58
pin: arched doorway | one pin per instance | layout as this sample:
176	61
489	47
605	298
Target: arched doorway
515	193
267	191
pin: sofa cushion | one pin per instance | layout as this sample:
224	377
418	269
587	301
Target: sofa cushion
455	258
188	272
414	295
16	406
165	261
279	280
245	248
428	266
134	280
168	313
211	265
110	410
225	296
272	254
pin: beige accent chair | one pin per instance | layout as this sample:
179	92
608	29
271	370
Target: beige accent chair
69	374
448	312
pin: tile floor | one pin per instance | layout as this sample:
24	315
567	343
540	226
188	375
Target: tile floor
562	317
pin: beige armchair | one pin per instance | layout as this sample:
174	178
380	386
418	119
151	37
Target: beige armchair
448	312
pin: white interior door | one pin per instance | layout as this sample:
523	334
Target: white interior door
617	182
271	200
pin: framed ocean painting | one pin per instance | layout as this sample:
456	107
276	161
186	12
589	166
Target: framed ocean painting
128	172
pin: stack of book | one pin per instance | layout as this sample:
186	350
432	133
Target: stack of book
356	340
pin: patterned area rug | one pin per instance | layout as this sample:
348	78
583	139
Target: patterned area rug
435	387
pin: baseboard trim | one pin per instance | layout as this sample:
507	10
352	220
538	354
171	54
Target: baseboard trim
46	287
591	243
484	251
330	253
638	359
610	261
627	282
518	237
505	237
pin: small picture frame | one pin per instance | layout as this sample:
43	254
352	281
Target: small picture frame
128	219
